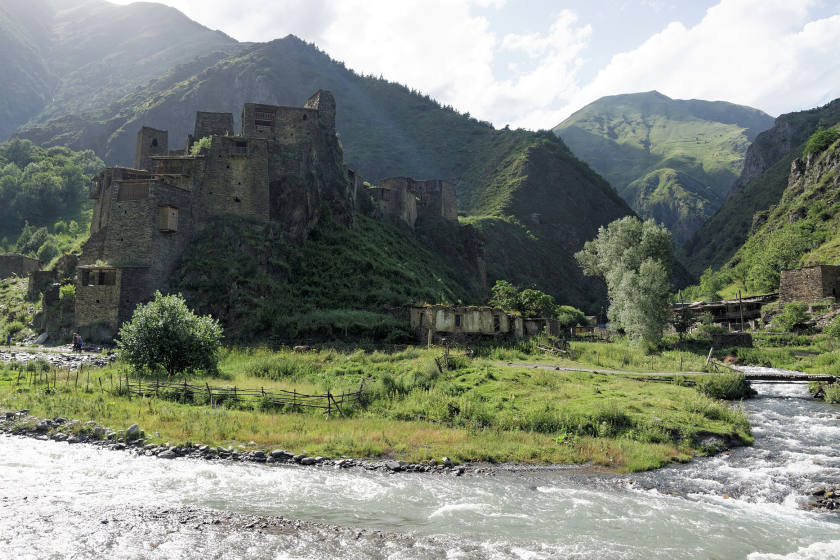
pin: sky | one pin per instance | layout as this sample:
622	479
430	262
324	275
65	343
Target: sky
532	63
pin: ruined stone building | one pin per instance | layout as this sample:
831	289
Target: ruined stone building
283	167
811	284
18	265
405	200
461	324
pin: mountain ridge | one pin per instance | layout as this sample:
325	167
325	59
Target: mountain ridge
672	160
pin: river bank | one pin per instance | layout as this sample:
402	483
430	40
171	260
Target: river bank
742	504
471	410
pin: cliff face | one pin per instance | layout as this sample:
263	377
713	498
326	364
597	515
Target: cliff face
760	186
788	132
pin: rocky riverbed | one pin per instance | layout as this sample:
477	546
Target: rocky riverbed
61	357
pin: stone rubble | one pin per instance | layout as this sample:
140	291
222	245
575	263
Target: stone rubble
64	359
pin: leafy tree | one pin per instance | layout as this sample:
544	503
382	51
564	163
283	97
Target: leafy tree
794	316
31	239
780	249
60	227
681	319
48	251
534	303
73	228
570	316
165	333
505	295
635	261
710	285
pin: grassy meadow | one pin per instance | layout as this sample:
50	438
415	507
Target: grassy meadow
477	409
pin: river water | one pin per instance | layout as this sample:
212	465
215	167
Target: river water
64	501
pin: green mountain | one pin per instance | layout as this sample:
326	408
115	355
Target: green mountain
671	160
65	56
761	185
801	229
535	201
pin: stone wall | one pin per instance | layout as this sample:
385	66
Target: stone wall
437	200
18	265
324	102
397	199
232	179
455	323
729	340
212	124
809	284
40	280
150	142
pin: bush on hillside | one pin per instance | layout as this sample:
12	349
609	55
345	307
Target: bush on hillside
166	334
821	140
48	251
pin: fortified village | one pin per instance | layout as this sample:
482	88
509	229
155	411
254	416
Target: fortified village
284	167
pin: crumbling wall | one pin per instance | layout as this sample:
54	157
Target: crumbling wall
730	340
150	142
40	280
463	323
437	200
18	265
397	199
324	103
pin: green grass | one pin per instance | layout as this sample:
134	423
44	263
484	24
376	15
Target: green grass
337	284
15	310
477	411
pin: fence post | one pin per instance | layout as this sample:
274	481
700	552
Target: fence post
127	386
209	393
185	389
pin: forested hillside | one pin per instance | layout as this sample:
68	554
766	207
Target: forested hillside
536	202
671	160
65	56
44	203
801	229
760	187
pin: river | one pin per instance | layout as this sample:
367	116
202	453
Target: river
77	501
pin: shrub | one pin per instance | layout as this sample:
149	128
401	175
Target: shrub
165	333
832	393
832	330
821	140
203	143
795	315
67	294
60	227
48	251
73	227
14	327
724	386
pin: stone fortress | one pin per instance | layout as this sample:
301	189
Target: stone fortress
283	168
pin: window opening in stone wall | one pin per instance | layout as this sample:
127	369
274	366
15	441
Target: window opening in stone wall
154	143
422	319
457	320
239	148
264	120
304	117
108	278
497	323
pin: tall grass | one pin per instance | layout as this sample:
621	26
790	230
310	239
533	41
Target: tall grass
729	386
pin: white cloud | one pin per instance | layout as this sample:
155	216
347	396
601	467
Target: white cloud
761	53
768	54
439	47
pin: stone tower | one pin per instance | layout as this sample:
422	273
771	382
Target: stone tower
150	142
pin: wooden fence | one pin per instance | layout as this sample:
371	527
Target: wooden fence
46	378
218	395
